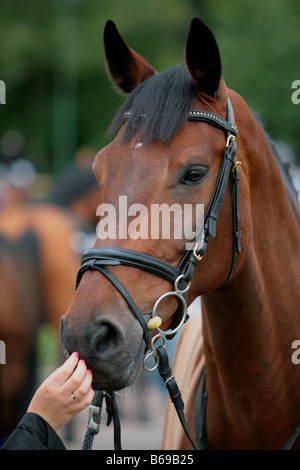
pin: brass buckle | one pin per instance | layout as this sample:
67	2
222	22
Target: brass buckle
236	165
198	257
230	139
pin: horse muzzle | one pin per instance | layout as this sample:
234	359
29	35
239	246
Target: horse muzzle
115	357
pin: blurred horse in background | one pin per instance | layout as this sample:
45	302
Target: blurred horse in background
37	272
40	252
19	316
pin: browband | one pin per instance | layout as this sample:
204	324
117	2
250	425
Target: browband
215	120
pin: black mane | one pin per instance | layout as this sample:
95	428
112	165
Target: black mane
159	106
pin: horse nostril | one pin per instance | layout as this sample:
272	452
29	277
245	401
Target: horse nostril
108	339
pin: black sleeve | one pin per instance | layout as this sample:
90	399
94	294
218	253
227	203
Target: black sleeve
33	433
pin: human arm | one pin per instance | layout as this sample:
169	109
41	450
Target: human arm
52	406
54	401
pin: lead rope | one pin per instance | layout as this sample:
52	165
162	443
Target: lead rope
94	419
93	425
95	408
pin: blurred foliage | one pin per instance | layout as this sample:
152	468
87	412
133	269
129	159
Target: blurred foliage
48	347
58	93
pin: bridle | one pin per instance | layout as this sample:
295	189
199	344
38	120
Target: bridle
180	277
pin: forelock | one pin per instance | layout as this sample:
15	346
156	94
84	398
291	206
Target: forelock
158	107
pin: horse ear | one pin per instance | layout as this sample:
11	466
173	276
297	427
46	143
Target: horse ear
203	58
126	68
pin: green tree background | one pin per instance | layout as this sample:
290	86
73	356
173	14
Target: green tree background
58	94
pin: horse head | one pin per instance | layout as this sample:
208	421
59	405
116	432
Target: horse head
160	155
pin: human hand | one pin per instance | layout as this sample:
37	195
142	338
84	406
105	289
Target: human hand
66	392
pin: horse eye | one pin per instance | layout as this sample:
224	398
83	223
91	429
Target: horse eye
194	176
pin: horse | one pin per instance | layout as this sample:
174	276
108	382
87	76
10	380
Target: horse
38	266
180	137
40	246
19	319
58	261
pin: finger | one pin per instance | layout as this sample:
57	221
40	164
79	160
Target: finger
82	390
76	378
64	372
85	401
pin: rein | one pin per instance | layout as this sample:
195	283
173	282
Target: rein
200	412
180	277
